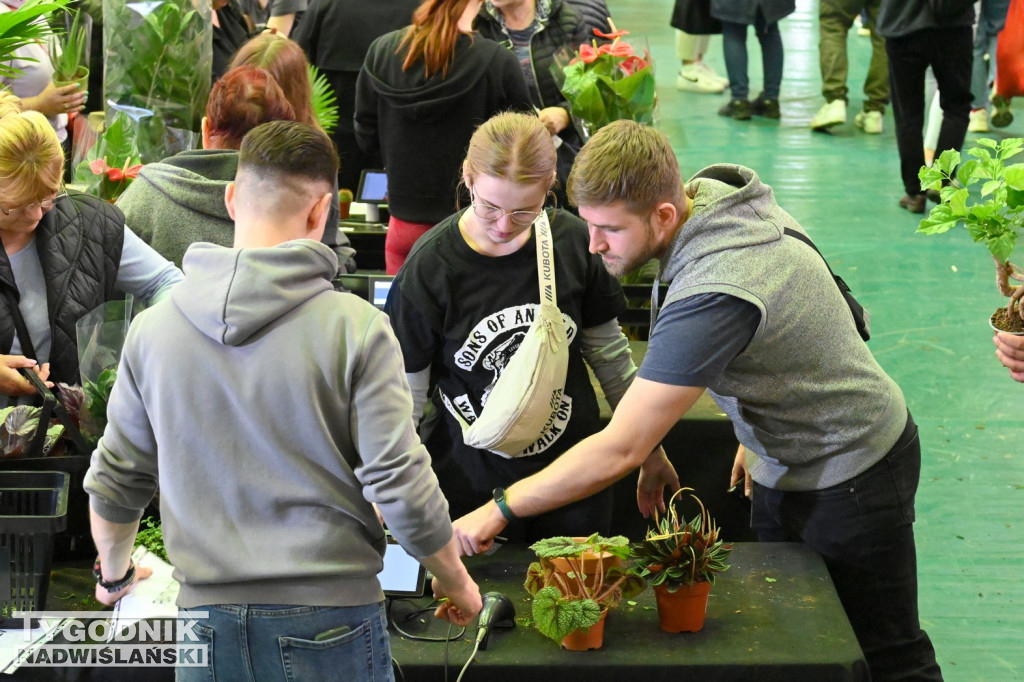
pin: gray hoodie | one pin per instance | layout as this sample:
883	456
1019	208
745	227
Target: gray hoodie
806	395
272	411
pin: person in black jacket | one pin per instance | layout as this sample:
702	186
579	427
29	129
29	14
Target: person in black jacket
537	31
935	33
336	37
419	96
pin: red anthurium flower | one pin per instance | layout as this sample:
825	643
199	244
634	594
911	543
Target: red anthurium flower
588	54
99	166
632	64
115	174
133	171
610	36
618	49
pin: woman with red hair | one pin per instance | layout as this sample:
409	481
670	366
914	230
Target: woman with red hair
180	200
421	93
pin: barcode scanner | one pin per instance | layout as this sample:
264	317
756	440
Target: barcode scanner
498	612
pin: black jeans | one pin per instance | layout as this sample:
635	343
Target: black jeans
863	529
949	51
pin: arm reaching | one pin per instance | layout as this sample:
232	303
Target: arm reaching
451	580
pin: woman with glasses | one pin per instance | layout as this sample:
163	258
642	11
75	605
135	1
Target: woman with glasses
464	299
421	92
63	255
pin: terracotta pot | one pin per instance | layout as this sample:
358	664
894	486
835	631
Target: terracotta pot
585	639
590	564
343	209
684	609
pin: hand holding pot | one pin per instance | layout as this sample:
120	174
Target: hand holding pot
1010	351
53	100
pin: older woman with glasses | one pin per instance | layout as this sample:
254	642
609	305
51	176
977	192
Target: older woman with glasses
462	302
64	254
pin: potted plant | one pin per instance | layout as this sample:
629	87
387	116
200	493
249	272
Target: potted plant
574	582
22	27
323	100
680	559
344	203
995	217
70	61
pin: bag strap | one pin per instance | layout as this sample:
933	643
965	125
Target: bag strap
545	261
807	240
27	349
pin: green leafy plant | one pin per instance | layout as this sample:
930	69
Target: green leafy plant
18	426
20	28
97	393
680	552
151	536
607	83
564	601
993	217
157	70
71	64
324	101
344	196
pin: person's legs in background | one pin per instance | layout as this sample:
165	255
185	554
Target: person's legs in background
772	59
951	64
876	84
834	20
695	75
907	65
734	45
991	20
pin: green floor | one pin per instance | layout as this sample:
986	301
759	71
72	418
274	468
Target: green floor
929	298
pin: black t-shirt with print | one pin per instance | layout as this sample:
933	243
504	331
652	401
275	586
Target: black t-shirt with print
463	314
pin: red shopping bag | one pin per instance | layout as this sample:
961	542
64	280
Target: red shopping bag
1010	53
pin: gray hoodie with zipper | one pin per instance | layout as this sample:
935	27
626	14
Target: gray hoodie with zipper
272	411
806	396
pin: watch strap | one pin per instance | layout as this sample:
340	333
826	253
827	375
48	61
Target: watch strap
117	585
502	502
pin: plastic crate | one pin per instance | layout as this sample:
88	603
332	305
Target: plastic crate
33	508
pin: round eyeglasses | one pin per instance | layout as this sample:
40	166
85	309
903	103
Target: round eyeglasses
45	204
493	214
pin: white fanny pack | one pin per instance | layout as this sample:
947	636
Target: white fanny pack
527	395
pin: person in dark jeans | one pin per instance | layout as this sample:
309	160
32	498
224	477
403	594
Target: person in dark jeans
764	15
919	35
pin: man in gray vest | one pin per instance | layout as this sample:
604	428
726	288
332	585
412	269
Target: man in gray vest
753	316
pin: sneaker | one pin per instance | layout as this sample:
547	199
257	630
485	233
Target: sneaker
767	108
869	121
933	195
712	74
978	122
1002	116
693	79
914	204
831	114
737	109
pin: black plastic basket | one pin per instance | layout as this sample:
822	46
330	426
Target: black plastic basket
33	508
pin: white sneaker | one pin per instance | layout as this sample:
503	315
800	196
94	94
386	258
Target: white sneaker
693	79
869	121
831	114
712	74
978	122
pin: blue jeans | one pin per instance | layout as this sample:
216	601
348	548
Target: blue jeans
863	529
274	643
734	45
991	21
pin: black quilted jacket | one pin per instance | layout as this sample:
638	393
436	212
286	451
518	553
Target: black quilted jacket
79	244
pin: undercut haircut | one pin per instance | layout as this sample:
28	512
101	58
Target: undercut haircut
288	163
628	162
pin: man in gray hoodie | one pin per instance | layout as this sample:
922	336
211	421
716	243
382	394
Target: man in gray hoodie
273	412
753	316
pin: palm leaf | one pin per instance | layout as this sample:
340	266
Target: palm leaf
20	28
325	103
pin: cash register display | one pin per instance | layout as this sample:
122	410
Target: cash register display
373	187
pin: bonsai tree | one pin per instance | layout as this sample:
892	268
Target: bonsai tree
679	552
995	217
564	601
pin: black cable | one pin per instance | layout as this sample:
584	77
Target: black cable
420	638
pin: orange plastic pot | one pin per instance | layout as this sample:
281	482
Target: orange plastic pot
684	609
586	639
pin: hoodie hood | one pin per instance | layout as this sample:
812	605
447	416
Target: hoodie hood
231	294
724	196
420	98
194	179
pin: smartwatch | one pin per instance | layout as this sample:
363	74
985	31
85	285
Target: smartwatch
502	502
117	585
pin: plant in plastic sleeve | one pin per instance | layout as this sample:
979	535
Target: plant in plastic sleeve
157	67
112	162
101	334
605	83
